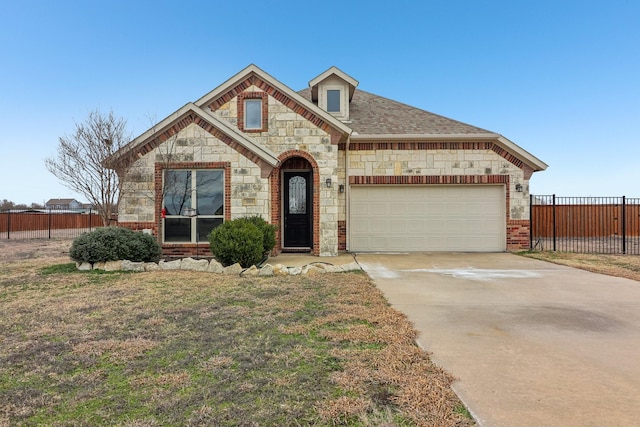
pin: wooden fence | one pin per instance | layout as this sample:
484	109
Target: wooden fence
46	224
586	224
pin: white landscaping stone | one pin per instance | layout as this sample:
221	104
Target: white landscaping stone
232	269
312	270
330	268
250	272
98	265
280	270
266	270
127	265
85	266
294	271
353	266
113	266
194	264
151	266
215	267
170	265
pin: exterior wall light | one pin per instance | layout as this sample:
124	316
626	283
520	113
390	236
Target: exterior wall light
328	182
341	188
519	188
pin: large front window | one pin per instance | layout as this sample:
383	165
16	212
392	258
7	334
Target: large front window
193	204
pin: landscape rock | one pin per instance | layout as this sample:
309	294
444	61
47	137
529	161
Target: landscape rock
280	270
194	264
98	265
85	266
330	268
170	265
232	269
312	270
266	270
127	265
250	272
151	266
354	266
215	267
295	271
113	265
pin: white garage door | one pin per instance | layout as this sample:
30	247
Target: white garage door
428	218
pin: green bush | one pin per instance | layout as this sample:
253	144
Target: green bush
237	241
268	232
113	244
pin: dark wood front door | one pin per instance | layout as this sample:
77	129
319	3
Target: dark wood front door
298	204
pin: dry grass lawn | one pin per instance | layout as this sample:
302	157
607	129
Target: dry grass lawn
185	348
613	265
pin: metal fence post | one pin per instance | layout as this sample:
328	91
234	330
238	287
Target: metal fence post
49	220
530	221
624	225
8	224
554	222
90	219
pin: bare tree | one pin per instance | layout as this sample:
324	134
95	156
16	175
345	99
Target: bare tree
79	162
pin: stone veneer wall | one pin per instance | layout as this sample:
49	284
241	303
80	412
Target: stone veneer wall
286	132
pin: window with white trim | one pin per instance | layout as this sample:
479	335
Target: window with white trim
193	204
333	100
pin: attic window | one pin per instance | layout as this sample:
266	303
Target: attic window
253	111
333	100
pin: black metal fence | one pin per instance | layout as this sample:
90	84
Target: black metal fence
47	223
606	225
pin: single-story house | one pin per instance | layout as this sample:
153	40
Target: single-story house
333	167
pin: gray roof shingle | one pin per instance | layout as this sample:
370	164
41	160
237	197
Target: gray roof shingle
376	115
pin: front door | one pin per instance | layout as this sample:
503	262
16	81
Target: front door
297	209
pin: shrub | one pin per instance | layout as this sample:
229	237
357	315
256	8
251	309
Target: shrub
113	244
268	232
237	241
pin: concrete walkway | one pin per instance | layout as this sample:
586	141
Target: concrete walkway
531	343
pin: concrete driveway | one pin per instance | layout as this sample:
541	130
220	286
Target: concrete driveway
531	343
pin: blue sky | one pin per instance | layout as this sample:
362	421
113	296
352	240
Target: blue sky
559	78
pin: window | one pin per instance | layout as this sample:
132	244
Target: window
253	113
193	204
253	110
333	101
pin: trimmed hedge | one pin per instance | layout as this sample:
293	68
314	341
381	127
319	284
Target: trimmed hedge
268	232
237	241
113	244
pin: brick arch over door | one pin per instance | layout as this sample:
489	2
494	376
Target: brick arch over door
295	159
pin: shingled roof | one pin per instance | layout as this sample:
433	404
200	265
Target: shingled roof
372	114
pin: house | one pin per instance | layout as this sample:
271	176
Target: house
332	166
63	204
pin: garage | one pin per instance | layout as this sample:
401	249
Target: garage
392	218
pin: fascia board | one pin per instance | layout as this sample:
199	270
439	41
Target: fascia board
521	153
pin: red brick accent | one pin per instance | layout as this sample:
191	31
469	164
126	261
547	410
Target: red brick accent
276	196
342	235
265	110
517	231
254	80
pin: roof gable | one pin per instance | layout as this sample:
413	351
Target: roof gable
252	75
333	71
188	114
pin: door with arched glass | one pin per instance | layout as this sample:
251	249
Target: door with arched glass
297	209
